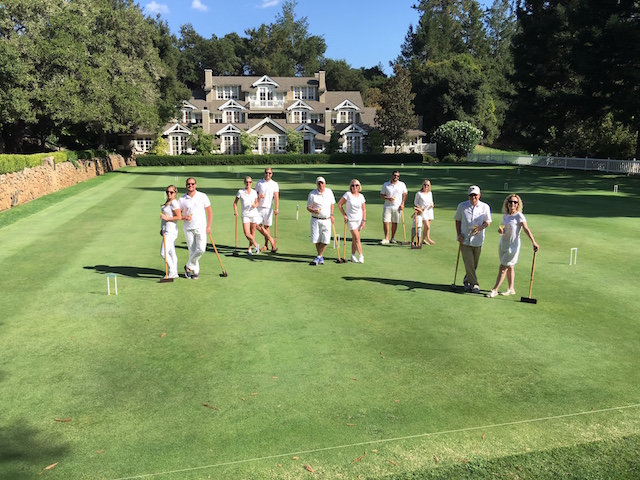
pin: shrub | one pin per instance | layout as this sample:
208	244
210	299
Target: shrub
457	138
429	159
15	163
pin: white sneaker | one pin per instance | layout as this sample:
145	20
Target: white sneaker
384	242
491	294
475	289
256	249
354	259
249	252
508	292
361	259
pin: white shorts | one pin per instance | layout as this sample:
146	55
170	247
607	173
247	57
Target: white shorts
253	218
321	230
353	225
264	216
390	214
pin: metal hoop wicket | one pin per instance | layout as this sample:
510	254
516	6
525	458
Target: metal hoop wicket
573	258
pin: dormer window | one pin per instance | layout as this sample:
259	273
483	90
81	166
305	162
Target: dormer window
227	92
305	93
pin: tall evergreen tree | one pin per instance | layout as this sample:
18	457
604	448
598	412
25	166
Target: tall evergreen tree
396	115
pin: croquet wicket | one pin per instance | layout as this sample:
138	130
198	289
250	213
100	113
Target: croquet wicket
573	258
115	283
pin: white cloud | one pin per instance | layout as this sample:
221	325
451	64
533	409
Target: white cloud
198	5
269	3
153	7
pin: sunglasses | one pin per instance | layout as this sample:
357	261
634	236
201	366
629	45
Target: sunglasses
268	173
353	186
320	183
514	201
248	181
170	191
473	194
191	183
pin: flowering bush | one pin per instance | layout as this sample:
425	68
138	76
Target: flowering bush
457	138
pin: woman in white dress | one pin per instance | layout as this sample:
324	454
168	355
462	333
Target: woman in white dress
249	201
170	214
355	217
423	206
513	221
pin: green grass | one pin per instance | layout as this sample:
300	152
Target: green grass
367	370
483	150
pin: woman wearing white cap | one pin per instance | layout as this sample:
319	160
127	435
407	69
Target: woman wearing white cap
355	217
320	204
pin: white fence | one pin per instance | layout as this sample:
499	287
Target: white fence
628	167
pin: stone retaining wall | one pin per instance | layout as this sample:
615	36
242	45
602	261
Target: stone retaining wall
31	183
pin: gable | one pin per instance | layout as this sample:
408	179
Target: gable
347	105
265	80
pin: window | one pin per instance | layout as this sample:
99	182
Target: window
299	116
304	93
345	116
268	144
143	144
234	116
187	116
178	144
316	118
216	118
227	92
231	144
353	144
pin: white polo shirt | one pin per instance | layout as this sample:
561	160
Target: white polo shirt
266	191
195	206
469	217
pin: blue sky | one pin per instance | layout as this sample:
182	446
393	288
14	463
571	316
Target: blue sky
362	32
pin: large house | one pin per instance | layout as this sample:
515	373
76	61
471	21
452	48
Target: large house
267	107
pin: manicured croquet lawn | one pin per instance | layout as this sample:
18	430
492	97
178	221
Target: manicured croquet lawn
284	370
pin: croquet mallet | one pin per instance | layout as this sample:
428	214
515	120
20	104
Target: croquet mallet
404	230
533	268
224	272
417	244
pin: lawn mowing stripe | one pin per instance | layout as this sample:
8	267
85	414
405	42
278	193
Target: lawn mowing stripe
385	440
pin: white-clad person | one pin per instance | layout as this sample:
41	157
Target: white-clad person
196	212
320	204
394	193
423	206
472	218
513	221
355	217
170	214
268	194
249	200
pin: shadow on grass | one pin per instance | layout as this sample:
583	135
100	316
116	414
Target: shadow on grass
409	285
128	271
26	451
280	256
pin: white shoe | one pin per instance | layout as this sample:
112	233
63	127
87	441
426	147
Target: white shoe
361	259
384	242
249	252
491	294
508	292
354	259
475	289
256	249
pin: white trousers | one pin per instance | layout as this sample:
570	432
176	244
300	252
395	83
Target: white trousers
172	257
197	244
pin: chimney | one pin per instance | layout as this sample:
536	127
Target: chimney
322	85
208	79
327	122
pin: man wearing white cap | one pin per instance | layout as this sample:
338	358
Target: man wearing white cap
472	218
320	205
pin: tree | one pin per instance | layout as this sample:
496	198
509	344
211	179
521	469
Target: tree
333	145
376	141
295	141
284	48
396	115
202	142
341	77
248	143
457	138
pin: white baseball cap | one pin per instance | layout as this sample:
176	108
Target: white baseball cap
474	189
320	179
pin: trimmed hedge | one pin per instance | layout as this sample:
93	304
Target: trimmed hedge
16	163
288	158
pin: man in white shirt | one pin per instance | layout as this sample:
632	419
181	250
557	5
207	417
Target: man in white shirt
320	204
197	216
268	191
472	218
394	193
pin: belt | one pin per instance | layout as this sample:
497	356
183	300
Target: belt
321	218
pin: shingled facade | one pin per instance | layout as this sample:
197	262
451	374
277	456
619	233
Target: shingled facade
267	107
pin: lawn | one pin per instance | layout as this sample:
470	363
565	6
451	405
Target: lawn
283	370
